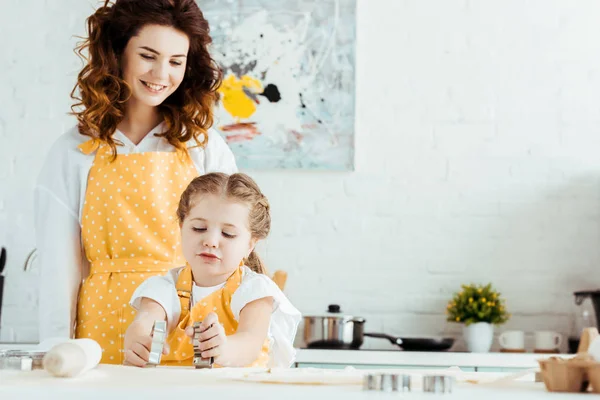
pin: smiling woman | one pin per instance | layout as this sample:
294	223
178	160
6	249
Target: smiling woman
107	195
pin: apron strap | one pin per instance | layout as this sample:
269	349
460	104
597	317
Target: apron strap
89	146
184	290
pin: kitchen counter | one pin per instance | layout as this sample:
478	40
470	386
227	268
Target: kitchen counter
499	362
119	382
382	358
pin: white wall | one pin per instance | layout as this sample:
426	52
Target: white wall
477	159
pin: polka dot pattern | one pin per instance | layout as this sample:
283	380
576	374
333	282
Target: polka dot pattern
130	233
182	350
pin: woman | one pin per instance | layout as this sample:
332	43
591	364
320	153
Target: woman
107	194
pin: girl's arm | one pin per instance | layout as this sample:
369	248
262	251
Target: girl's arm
244	346
149	312
138	338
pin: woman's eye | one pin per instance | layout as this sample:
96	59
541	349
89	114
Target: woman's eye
176	63
198	229
227	235
147	57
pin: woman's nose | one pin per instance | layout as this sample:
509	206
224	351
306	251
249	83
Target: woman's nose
160	71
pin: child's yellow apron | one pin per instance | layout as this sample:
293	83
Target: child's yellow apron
130	232
219	302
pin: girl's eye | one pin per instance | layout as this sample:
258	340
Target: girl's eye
228	236
198	229
147	57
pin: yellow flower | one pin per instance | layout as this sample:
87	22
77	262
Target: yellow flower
479	290
457	319
470	299
483	299
489	303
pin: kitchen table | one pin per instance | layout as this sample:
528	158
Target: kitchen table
335	359
120	382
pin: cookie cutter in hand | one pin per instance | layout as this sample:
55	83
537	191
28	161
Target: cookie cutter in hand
159	334
200	362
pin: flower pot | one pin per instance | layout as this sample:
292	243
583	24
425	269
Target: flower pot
478	337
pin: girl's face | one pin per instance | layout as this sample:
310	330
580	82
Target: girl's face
215	237
154	63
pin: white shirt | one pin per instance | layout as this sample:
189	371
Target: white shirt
58	203
284	320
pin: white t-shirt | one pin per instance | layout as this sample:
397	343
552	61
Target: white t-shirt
58	203
284	320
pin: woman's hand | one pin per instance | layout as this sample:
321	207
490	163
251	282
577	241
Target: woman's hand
213	340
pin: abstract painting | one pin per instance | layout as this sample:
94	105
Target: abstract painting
288	93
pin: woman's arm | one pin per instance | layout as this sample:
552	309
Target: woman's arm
60	260
61	257
218	155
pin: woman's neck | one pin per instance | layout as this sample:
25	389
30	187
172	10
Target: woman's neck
138	121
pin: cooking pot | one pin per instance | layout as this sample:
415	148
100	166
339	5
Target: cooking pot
333	330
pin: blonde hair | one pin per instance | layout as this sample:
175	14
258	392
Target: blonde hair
238	187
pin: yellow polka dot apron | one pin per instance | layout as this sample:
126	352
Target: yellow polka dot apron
219	302
130	232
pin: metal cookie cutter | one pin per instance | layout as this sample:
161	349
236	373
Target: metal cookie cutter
200	362
159	334
438	383
21	360
387	382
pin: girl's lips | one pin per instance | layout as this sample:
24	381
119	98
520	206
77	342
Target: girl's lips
208	255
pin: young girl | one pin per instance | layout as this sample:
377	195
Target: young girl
106	197
246	319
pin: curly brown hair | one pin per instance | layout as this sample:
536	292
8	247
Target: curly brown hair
100	92
239	187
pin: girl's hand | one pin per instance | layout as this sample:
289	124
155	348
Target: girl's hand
138	342
212	339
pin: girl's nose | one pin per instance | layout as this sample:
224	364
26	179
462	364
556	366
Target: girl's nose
211	241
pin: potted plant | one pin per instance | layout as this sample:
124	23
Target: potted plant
479	308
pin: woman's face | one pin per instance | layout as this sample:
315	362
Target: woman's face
154	63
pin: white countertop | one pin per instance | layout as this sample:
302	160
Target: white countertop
428	359
397	357
118	382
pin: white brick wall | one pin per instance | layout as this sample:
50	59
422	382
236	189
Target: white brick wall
477	159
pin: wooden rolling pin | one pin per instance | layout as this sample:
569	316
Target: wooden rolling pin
72	358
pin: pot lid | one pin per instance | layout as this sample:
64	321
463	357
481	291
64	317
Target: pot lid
335	311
